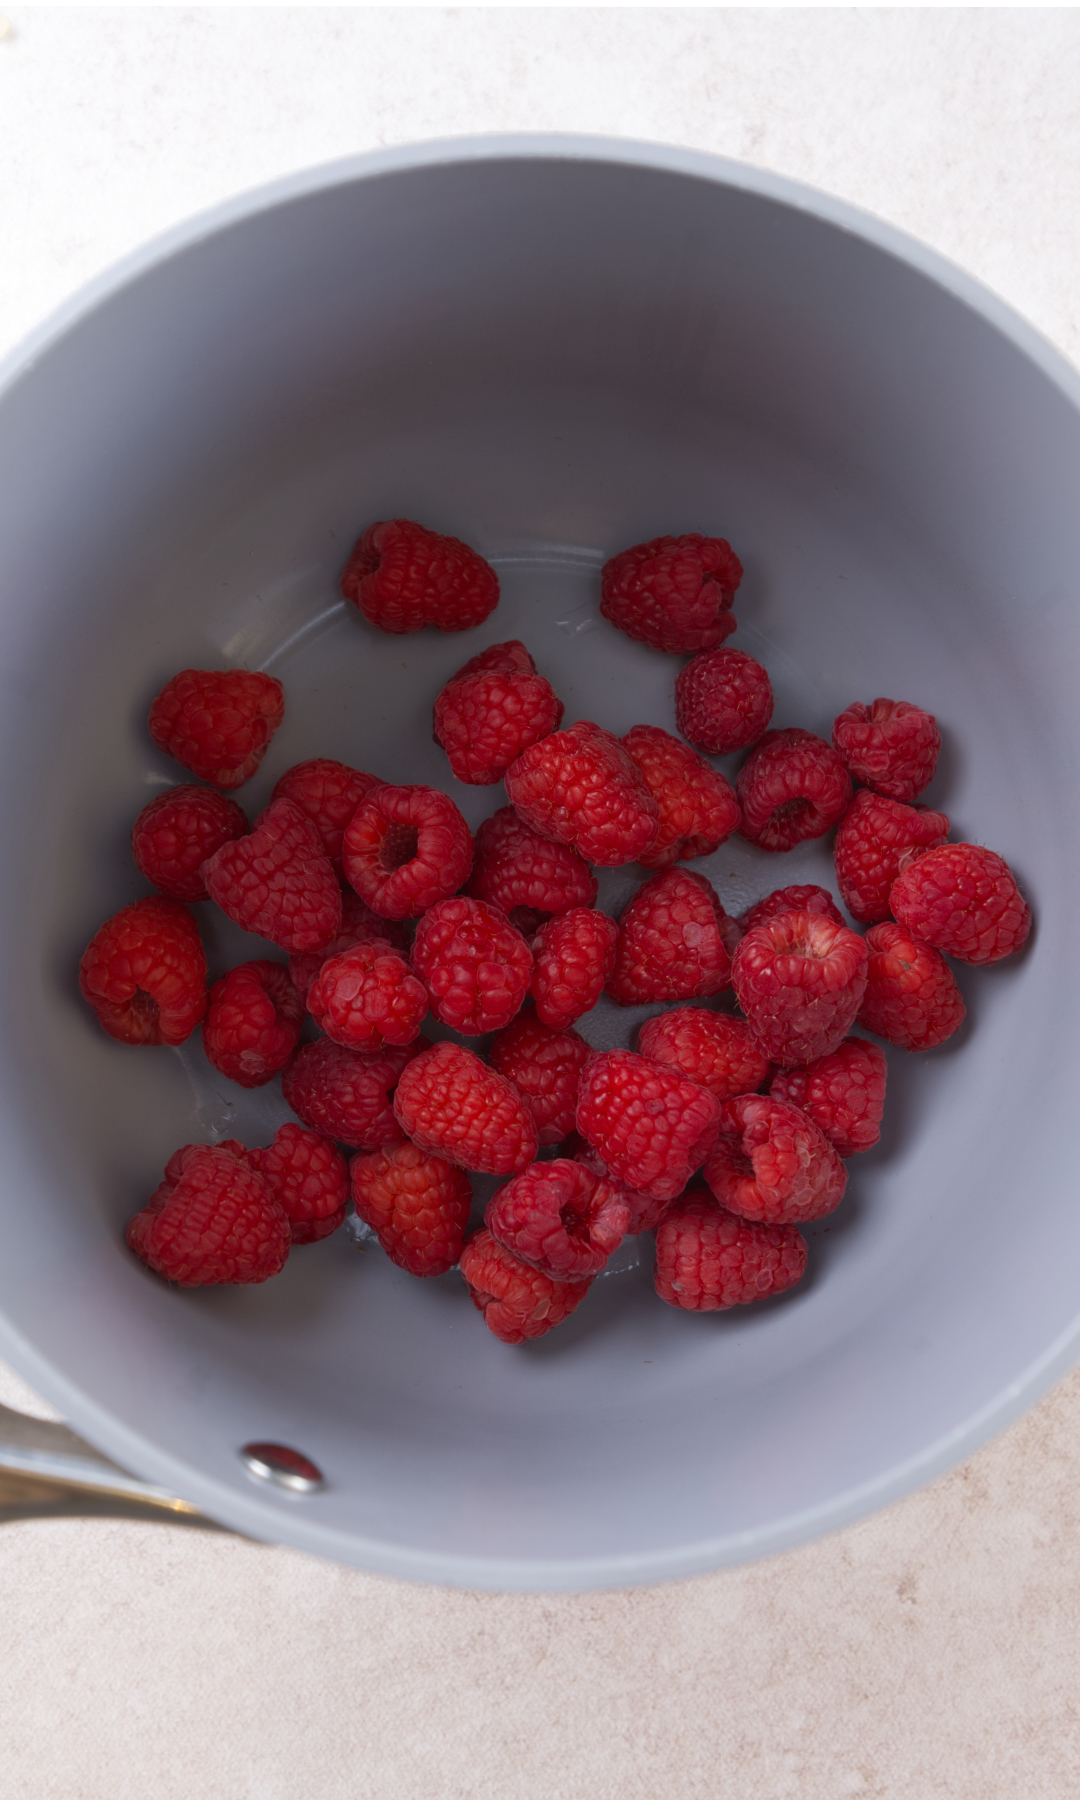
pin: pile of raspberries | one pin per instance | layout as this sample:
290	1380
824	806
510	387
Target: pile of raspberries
723	1132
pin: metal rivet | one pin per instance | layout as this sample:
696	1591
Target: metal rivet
284	1467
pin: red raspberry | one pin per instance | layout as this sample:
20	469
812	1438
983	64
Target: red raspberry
526	875
512	658
174	835
277	882
218	722
871	839
673	592
805	898
144	973
645	1209
359	925
453	1105
559	1218
698	808
713	1049
707	1259
252	1023
771	1162
486	718
911	994
367	997
403	577
671	942
345	1094
791	787
518	1303
581	787
475	966
892	746
844	1094
307	1174
544	1066
800	979
417	1204
651	1127
723	701
573	958
406	848
963	900
213	1220
328	793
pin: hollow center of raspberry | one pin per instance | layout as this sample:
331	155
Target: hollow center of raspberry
792	809
144	1006
575	1224
399	846
742	1167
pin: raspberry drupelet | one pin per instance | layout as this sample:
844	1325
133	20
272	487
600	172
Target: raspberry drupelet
911	994
277	882
674	593
308	1175
212	1220
402	577
252	1024
528	877
484	718
454	1106
173	836
698	808
544	1066
417	1204
844	1094
406	848
473	963
673	942
713	1049
964	900
872	841
582	788
771	1162
708	1259
800	980
890	746
218	722
144	973
723	701
651	1127
573	957
560	1218
792	786
518	1303
328	793
345	1094
367	997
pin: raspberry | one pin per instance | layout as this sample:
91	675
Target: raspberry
144	973
359	925
522	873
581	787
559	1218
453	1106
367	997
651	1127
707	1259
213	1220
772	1163
328	793
544	1066
417	1204
791	787
892	746
673	592
218	723
174	835
277	882
518	1303
307	1174
911	994
963	900
403	577
474	964
345	1094
645	1209
671	942
252	1023
512	658
723	701
844	1094
713	1049
573	958
406	848
800	979
806	898
698	808
871	839
486	718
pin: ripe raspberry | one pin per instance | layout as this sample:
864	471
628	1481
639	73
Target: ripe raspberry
559	1218
345	1094
707	1259
359	925
771	1162
518	1303
651	1127
213	1220
367	997
871	839
800	980
805	898
713	1049
671	942
486	718
406	848
581	787
512	658
144	973
723	701
218	723
911	994
252	1023
453	1106
892	746
475	966
844	1094
277	882
645	1209
307	1174
791	787
573	958
673	592
328	793
174	835
526	875
417	1204
403	577
698	808
544	1066
963	900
